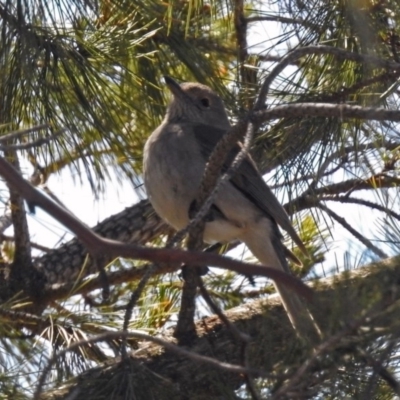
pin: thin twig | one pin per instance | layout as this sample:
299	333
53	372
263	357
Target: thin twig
322	348
366	203
293	56
346	151
5	221
185	330
34	245
35	143
22	261
285	20
209	188
240	22
97	245
366	242
216	310
354	89
383	372
21	132
241	336
212	179
140	335
228	174
307	199
27	319
248	377
131	305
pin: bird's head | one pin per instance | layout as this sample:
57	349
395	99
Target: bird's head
194	102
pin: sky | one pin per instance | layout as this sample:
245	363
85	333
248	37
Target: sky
80	200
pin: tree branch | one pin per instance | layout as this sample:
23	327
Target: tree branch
325	110
237	369
22	132
362	202
36	143
345	297
293	56
285	20
367	243
98	246
310	198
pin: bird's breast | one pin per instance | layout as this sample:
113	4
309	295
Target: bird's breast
173	169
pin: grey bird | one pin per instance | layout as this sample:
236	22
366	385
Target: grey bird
245	209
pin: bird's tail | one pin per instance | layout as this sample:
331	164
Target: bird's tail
265	244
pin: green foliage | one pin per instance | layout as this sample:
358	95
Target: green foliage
95	68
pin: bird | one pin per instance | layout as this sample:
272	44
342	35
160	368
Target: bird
245	208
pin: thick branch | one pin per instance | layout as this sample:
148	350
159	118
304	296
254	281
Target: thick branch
311	198
326	110
98	246
346	296
137	224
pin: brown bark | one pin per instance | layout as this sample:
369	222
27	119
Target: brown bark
155	373
137	224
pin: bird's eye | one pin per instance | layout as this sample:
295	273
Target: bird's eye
205	102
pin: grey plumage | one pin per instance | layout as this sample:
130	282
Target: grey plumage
175	157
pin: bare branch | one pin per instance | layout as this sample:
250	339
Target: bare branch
248	378
383	372
34	245
22	262
211	181
21	132
285	20
337	295
99	246
367	243
345	92
241	37
140	335
31	145
27	319
325	110
132	302
209	188
243	338
216	310
366	203
346	151
310	198
293	56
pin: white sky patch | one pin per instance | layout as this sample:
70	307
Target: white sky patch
82	202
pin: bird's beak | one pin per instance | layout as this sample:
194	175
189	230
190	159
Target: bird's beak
175	88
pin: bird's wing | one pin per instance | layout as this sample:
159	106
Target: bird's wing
247	179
